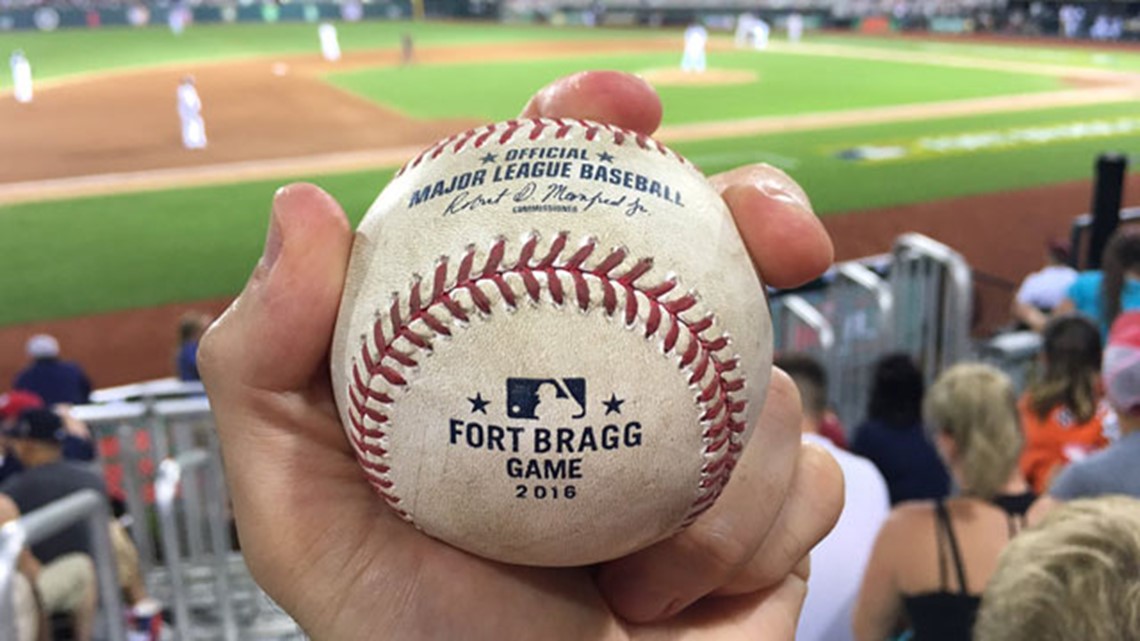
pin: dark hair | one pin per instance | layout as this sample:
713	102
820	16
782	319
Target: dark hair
810	378
191	326
1120	255
896	391
1072	355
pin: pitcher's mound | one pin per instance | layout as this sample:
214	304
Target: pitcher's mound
676	78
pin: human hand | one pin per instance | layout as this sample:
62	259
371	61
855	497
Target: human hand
339	560
72	425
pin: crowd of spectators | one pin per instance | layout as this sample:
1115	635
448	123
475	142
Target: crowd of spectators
85	5
47	454
951	554
1014	516
944	486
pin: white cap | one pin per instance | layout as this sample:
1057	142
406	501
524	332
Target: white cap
43	346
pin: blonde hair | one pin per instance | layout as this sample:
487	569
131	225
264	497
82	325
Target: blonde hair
1076	575
976	407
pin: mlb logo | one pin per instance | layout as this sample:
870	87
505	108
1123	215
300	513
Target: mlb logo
526	395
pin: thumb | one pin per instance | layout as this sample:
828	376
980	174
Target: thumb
276	335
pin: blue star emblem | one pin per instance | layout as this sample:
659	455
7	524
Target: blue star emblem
613	406
488	158
478	404
605	157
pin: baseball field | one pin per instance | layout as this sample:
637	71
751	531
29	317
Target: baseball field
109	230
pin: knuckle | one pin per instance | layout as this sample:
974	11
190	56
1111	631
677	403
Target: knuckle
720	547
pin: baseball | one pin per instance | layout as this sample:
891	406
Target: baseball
552	344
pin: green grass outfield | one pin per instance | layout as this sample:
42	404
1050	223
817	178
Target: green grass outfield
101	254
835	83
77	257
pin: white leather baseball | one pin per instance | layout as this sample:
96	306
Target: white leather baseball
552	344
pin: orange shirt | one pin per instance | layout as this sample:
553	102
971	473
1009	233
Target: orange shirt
1056	440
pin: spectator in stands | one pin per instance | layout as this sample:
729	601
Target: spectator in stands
43	436
52	379
12	404
893	437
831	428
1102	295
265	366
31	624
190	330
1075	575
1062	412
1044	289
1116	469
77	442
933	559
69	586
838	561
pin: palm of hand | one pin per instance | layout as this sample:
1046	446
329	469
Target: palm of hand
354	584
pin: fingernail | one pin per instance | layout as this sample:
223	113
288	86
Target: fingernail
273	240
788	193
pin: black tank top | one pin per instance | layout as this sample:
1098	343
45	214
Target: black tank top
948	615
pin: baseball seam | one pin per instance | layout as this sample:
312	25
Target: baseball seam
380	370
533	128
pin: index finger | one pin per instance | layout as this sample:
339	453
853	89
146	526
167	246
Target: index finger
612	97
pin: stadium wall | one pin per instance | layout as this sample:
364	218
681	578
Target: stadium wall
50	18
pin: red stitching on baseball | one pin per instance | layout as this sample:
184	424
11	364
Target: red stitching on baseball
717	396
484	136
512	127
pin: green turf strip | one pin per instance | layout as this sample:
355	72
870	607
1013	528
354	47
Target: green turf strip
837	185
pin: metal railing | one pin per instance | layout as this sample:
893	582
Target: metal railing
1015	353
860	306
183	538
798	326
31	528
148	391
171	426
933	301
167	484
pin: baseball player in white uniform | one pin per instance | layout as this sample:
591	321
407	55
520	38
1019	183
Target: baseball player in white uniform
744	24
21	76
330	45
751	30
696	37
190	115
760	31
177	18
795	27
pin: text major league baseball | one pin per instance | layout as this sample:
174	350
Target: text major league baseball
550	162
